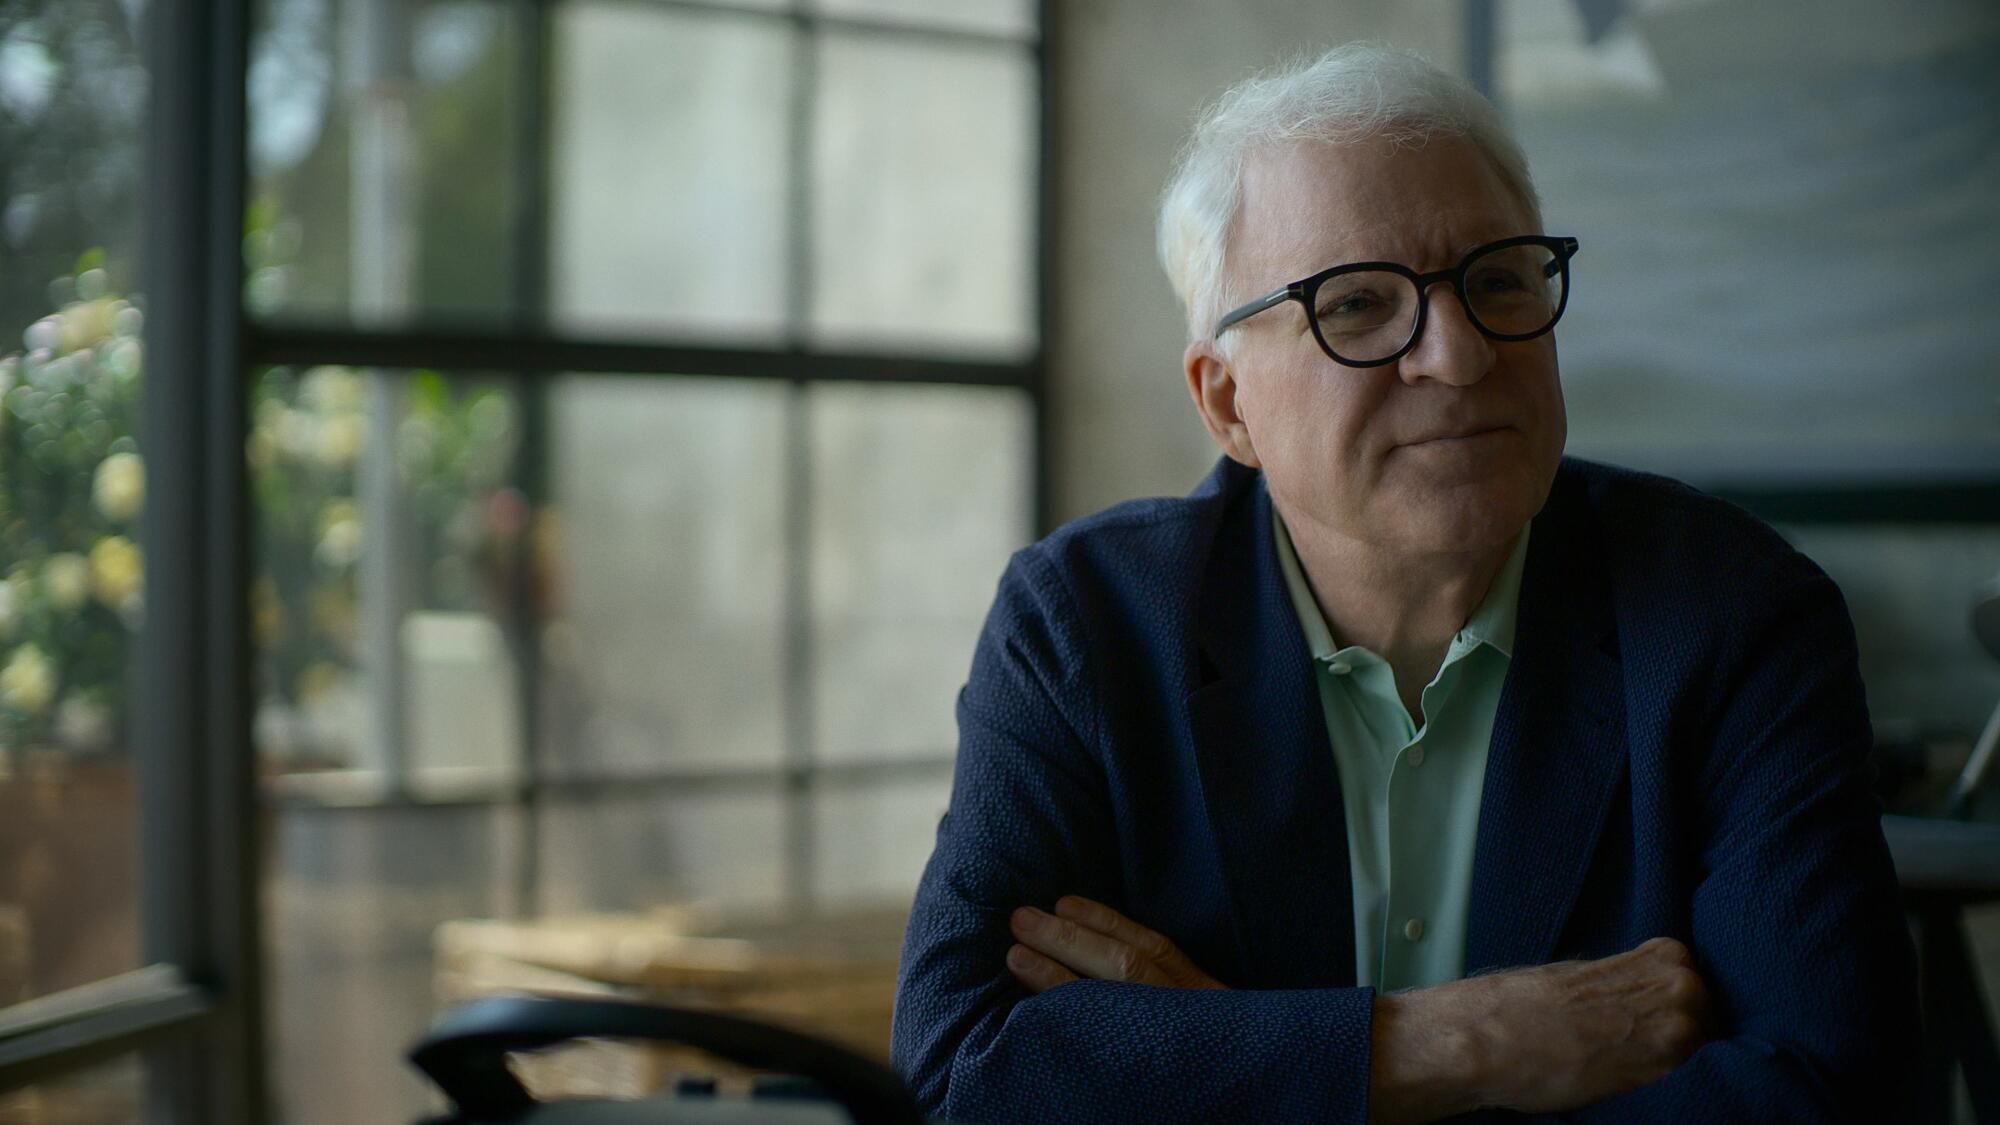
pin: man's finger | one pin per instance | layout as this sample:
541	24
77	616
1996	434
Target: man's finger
1087	951
1036	972
1150	944
1103	919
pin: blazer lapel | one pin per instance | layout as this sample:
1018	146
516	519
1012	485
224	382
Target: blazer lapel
1558	749
1267	773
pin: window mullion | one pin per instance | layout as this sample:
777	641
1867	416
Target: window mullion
199	874
798	819
534	84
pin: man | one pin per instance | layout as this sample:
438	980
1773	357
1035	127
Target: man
1404	768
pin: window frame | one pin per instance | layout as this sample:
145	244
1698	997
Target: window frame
196	1009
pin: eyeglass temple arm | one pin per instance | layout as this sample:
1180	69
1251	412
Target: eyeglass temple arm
1568	251
1274	297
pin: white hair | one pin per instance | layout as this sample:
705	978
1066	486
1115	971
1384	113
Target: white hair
1352	93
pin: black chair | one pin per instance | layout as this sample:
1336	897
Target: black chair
821	1083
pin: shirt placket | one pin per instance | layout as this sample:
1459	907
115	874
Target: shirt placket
1410	900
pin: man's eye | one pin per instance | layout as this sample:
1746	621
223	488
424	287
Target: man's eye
1350	304
1498	281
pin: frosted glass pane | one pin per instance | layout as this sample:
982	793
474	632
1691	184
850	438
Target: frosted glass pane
383	525
669	170
871	841
923	188
919	495
382	161
352	901
1000	17
666	643
618	853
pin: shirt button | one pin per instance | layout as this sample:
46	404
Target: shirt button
1340	667
1416	755
1413	929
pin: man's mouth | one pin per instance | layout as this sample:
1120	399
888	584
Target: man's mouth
1463	434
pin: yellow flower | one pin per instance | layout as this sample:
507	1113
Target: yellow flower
339	441
337	510
85	324
267	614
119	488
340	534
298	434
66	579
28	681
83	724
117	572
331	390
331	611
124	358
259	450
317	681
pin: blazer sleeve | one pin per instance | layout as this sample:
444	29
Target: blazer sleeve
1797	922
1031	819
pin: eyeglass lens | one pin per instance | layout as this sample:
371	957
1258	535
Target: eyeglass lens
1369	315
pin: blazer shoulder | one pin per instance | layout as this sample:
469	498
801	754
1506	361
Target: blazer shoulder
1655	524
1149	548
1120	588
1695	580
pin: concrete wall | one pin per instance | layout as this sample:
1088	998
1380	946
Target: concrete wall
1129	77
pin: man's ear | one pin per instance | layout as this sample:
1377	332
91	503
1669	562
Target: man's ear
1212	383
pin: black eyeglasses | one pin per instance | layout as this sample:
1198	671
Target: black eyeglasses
1366	314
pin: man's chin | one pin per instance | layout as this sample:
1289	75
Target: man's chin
1462	515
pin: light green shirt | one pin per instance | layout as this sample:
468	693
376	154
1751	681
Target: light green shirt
1411	793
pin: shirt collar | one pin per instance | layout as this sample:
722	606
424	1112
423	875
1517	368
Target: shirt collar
1492	623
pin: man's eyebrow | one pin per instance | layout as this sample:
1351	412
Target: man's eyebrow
1468	246
1459	250
1455	253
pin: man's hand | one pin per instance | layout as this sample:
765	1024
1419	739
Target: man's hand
1088	939
1542	1039
1575	1032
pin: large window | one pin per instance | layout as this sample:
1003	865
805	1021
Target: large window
575	448
672	609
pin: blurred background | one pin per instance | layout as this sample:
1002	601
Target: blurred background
579	439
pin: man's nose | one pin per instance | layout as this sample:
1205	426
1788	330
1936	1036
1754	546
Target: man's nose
1452	349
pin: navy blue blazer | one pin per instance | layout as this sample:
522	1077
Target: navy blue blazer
1680	750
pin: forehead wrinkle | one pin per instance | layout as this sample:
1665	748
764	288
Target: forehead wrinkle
1320	234
1437	241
